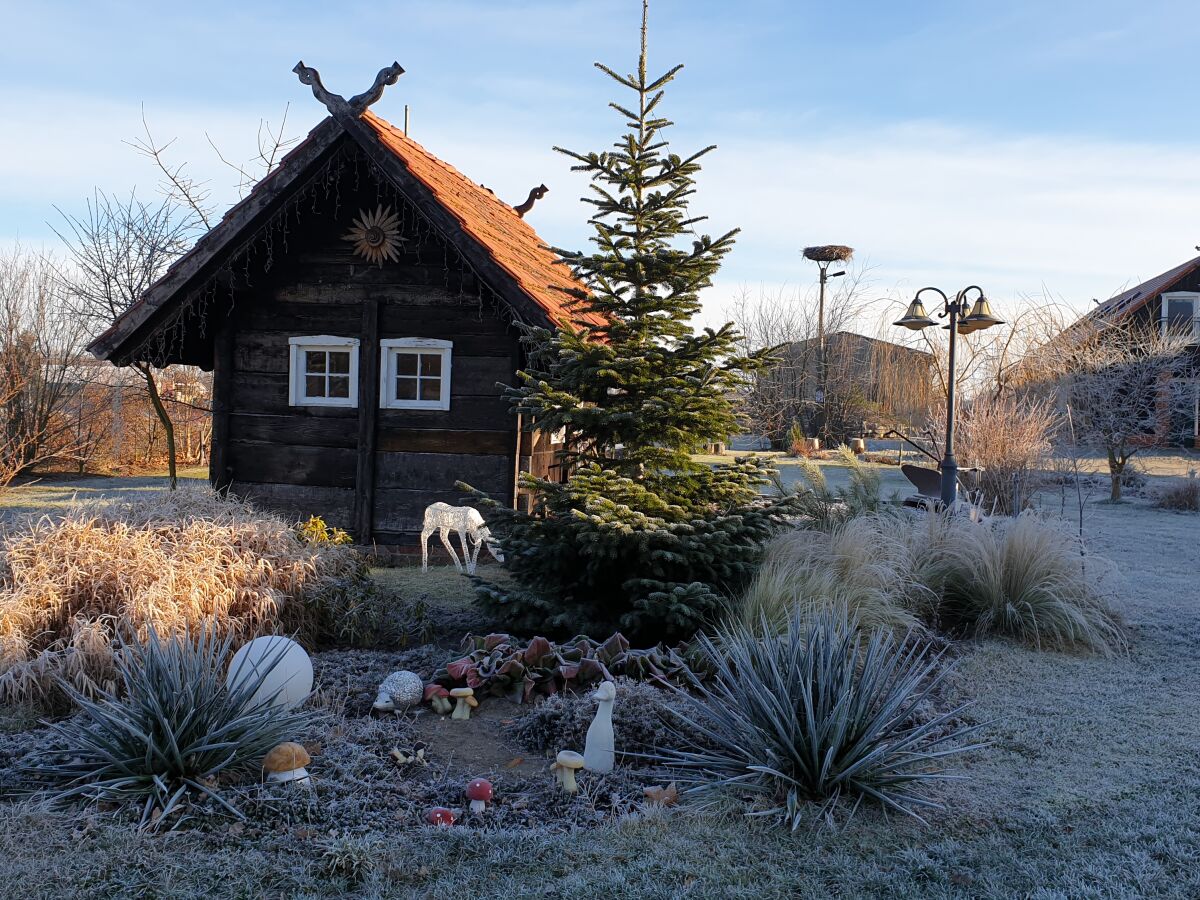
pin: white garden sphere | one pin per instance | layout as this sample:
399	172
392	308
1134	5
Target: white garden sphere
290	681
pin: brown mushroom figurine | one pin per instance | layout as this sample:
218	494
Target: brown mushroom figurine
466	701
479	792
286	763
565	766
439	698
440	816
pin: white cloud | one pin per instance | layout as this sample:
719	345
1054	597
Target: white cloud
926	203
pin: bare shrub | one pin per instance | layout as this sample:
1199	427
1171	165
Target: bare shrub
1008	437
1183	496
69	587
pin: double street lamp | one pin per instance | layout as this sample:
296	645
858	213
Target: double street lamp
979	318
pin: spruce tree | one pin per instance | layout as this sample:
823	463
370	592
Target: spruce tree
640	536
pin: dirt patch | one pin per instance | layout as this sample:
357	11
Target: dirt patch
479	744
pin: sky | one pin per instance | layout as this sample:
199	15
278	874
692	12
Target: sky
1036	149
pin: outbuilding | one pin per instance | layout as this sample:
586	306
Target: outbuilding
361	310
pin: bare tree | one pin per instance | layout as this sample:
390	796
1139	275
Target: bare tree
1123	385
40	347
117	250
785	393
122	246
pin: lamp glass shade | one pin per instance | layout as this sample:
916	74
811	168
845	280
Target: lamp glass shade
980	317
915	317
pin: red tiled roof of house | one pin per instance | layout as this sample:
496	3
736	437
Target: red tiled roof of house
1135	298
495	225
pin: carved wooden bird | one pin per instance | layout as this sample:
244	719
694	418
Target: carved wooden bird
535	194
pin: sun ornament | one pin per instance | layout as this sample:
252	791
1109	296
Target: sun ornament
376	235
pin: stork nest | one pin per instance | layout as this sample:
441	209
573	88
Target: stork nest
828	253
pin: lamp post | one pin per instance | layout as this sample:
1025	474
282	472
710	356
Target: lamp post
979	318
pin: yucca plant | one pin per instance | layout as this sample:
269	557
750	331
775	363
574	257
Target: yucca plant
801	719
169	729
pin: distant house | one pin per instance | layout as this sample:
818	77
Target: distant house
1169	302
889	384
361	310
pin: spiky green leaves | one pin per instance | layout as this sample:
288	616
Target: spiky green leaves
170	729
800	719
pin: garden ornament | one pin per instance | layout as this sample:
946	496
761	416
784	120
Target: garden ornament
598	751
399	691
479	792
466	701
288	671
564	768
286	763
439	699
410	756
440	816
472	534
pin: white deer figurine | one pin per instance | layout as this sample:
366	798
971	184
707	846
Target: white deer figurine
472	534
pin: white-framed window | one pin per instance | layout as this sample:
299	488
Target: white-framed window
323	371
414	373
1181	313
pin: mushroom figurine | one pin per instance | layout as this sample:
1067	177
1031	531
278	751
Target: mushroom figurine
399	691
598	750
466	702
565	766
440	816
439	698
479	792
286	763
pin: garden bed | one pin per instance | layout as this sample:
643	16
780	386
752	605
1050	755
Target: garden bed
1087	790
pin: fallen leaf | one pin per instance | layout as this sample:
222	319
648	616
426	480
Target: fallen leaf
514	762
662	796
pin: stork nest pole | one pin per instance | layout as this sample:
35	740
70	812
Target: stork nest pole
828	253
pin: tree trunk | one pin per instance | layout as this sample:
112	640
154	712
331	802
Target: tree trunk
164	418
1116	467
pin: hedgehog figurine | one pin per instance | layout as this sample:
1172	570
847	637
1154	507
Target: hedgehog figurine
399	691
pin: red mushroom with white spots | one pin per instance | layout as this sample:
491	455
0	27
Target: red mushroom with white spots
479	792
440	816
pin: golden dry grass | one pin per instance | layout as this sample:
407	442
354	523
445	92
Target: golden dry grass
68	584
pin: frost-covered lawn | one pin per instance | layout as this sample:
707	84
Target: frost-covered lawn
1092	789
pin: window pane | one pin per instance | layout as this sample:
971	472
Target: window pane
431	389
314	386
339	386
339	361
406	364
406	389
314	360
431	364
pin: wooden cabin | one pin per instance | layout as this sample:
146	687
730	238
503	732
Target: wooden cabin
361	311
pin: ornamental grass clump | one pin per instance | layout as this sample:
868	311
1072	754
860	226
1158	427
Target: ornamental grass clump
170	731
70	585
1024	578
857	564
819	713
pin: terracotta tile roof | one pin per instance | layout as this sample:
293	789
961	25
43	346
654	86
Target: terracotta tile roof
495	225
1135	298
